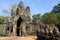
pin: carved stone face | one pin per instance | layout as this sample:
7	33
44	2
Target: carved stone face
28	11
20	11
52	28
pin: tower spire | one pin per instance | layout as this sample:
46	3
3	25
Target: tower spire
21	8
21	4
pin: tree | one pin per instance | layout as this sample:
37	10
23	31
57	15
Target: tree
49	18
58	18
36	17
2	19
8	12
56	9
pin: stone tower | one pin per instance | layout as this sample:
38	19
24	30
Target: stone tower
28	11
20	17
20	9
20	22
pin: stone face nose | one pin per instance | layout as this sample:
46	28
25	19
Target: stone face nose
21	8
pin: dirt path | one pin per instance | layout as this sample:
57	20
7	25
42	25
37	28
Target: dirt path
18	38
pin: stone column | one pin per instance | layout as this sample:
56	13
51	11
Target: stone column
14	27
23	29
14	30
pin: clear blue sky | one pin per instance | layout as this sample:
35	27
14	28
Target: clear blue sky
36	6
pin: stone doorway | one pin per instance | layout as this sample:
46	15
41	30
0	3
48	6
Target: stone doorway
19	21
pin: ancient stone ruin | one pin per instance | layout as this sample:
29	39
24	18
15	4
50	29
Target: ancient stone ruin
20	23
50	32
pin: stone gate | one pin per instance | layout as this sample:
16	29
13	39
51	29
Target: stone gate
20	17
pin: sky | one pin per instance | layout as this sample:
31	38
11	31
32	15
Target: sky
36	6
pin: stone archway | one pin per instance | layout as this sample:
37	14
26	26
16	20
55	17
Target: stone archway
19	21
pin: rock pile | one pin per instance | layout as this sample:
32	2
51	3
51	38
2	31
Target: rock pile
50	35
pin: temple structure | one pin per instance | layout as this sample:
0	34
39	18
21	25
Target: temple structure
20	21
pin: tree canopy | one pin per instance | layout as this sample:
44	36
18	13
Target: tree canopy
2	19
49	18
36	16
56	9
52	17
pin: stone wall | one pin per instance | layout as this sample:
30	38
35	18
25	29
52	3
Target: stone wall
3	30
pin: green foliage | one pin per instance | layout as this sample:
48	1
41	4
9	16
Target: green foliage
20	28
56	9
36	16
49	18
52	17
2	19
58	18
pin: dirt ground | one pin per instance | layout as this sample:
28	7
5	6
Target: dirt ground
19	38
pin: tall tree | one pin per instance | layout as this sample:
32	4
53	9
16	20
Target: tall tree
36	16
56	9
2	19
48	18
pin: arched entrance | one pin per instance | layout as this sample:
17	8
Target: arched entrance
19	21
